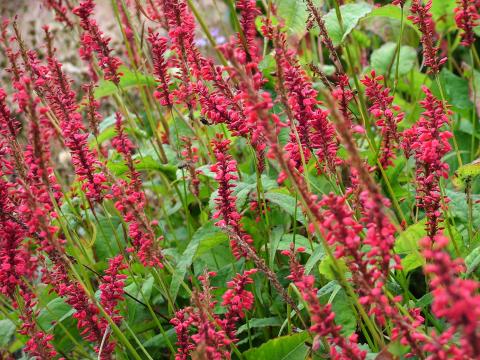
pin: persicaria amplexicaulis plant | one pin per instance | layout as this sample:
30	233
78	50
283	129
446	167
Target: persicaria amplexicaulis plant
242	179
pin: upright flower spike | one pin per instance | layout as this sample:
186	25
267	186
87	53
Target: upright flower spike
111	293
466	17
227	215
93	40
131	202
181	31
60	10
322	317
160	68
237	300
125	147
383	110
249	12
343	94
299	97
54	86
198	328
15	259
182	322
422	17
455	299
39	344
111	288
92	327
427	142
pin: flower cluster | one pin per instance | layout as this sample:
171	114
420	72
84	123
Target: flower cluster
455	299
237	299
427	142
112	287
87	313
422	17
160	68
322	317
93	40
312	131
39	344
383	110
466	17
249	11
228	217
199	330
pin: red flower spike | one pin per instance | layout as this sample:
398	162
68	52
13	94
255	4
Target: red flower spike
466	17
93	40
227	215
383	110
422	17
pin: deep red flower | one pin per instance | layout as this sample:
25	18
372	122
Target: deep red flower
160	68
388	116
422	17
455	299
237	300
321	316
93	40
227	214
466	17
427	142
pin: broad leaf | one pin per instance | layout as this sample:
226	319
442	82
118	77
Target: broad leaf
146	163
384	59
283	348
260	323
54	312
287	203
7	329
129	79
209	236
351	15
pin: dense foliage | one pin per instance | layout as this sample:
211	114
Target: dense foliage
298	185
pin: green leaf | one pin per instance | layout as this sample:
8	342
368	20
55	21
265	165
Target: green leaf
407	244
351	15
295	15
147	163
260	323
466	174
381	59
456	90
209	236
393	12
283	348
129	79
344	313
287	203
472	260
156	344
442	12
142	293
407	241
7	329
107	230
327	269
318	254
54	312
